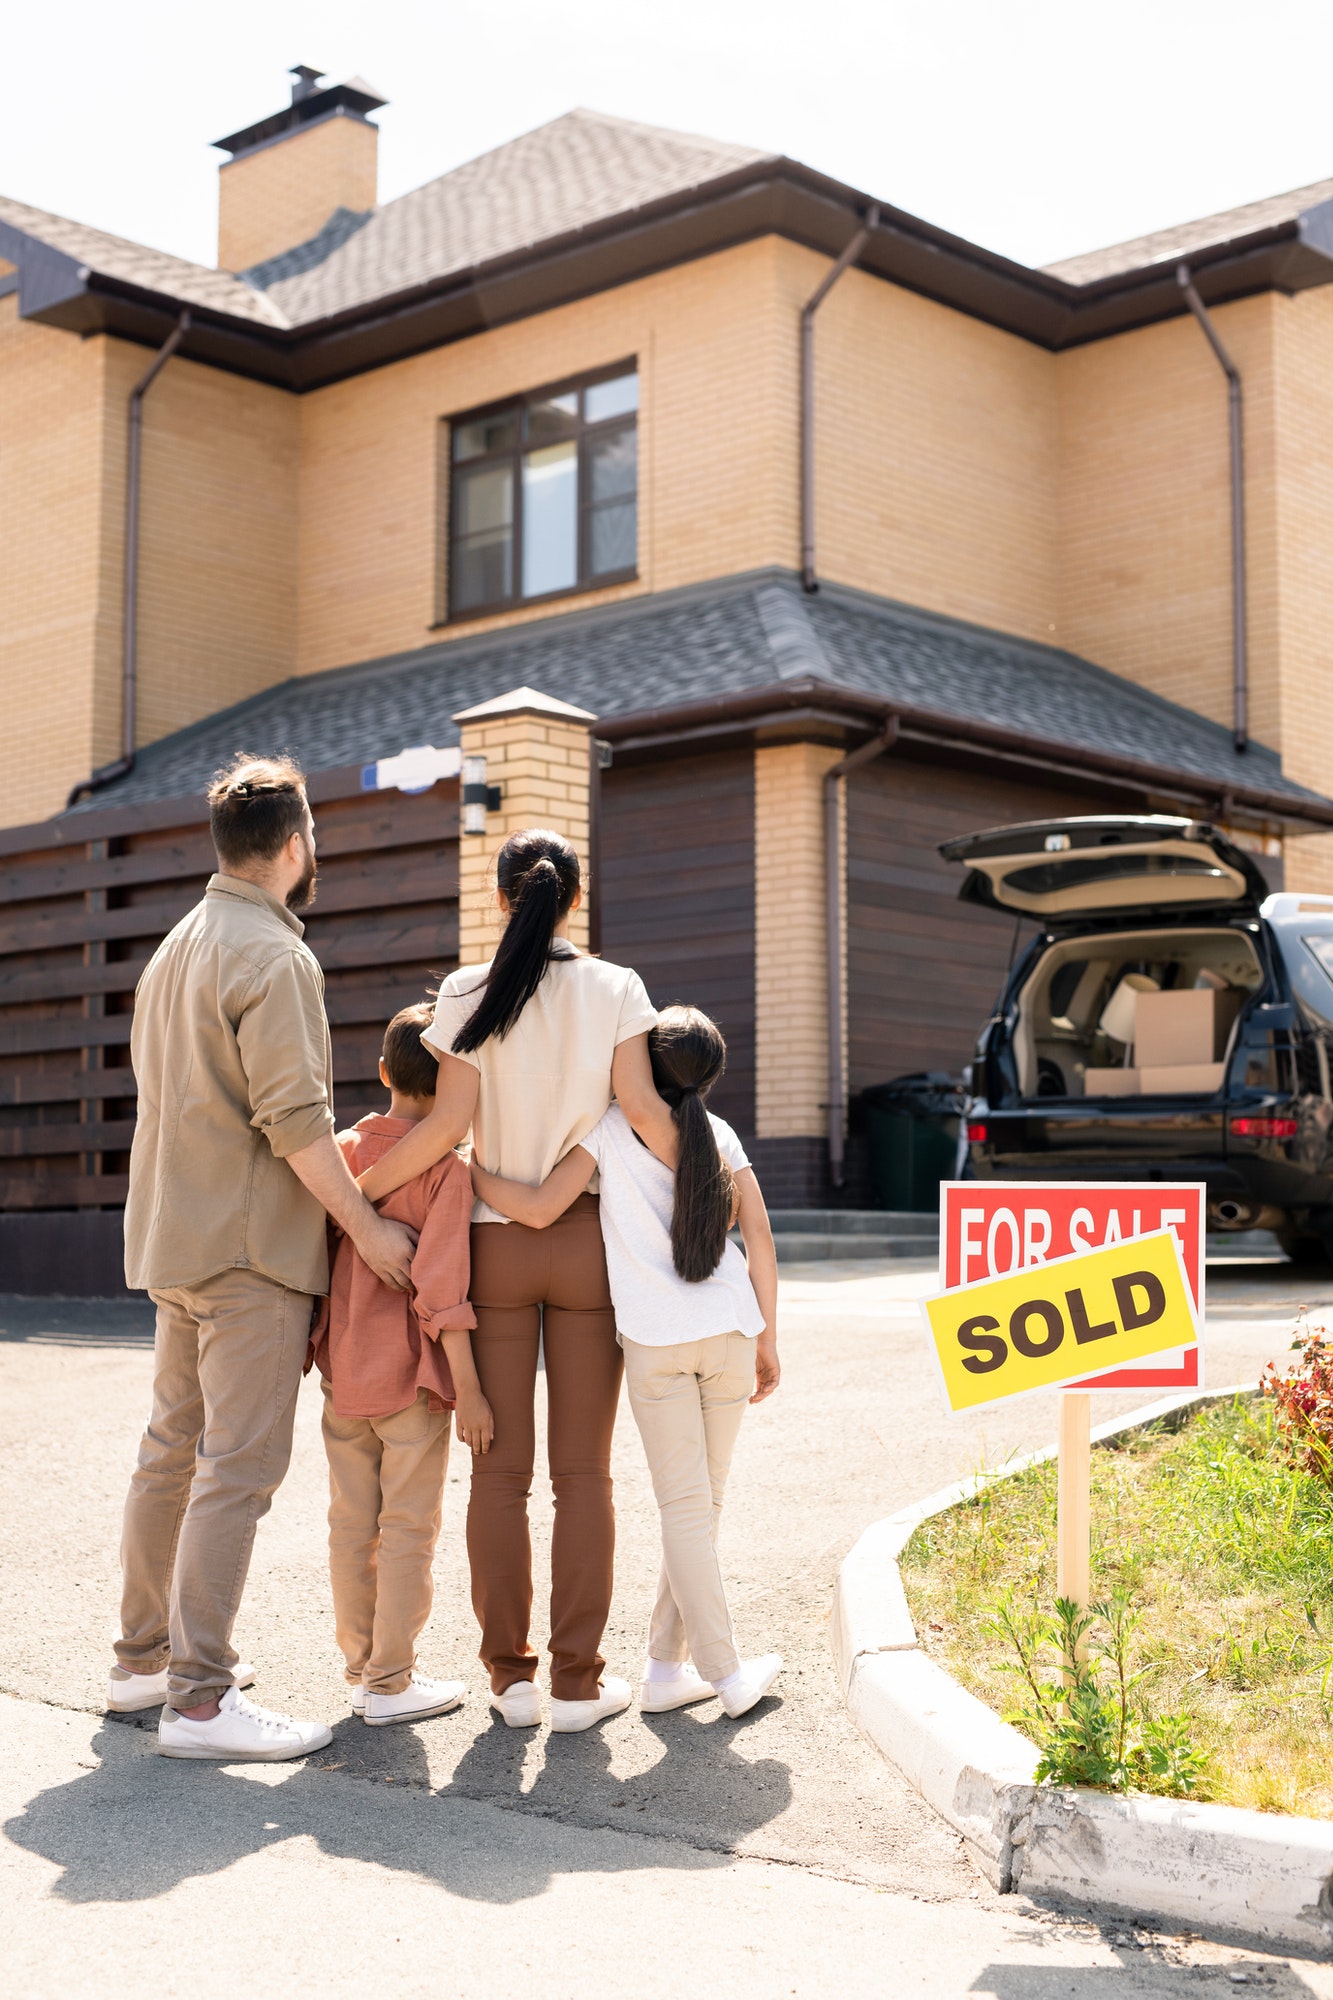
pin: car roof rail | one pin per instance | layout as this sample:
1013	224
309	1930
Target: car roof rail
1289	903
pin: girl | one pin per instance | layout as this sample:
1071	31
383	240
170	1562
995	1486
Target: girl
530	1048
699	1333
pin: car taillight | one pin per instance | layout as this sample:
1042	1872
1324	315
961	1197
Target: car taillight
1265	1128
976	1133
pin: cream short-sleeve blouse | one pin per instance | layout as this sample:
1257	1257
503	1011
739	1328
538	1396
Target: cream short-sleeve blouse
546	1083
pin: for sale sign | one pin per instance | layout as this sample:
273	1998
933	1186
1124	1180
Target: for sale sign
990	1229
1045	1325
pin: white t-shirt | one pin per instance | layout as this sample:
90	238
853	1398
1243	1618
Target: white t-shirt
654	1304
548	1081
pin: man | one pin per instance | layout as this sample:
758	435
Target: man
232	1171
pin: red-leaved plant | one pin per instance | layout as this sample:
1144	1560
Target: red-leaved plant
1303	1401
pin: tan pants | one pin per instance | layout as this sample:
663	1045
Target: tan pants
227	1366
688	1401
386	1487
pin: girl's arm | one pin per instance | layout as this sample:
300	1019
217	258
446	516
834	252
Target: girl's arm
537	1206
762	1260
636	1094
437	1134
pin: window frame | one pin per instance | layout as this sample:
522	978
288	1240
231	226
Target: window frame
513	455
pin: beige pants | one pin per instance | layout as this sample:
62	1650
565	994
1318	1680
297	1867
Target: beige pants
386	1487
227	1366
688	1401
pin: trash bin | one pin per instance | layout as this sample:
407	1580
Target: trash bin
911	1131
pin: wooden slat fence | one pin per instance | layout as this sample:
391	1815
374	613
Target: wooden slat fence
84	901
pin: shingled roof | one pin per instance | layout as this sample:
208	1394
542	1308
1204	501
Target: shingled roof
589	201
754	635
1188	239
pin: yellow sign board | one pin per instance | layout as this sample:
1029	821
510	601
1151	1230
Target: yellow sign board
1060	1322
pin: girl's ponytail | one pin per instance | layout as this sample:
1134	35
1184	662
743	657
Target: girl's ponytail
539	874
688	1056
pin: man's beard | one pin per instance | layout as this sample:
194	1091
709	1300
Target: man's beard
302	894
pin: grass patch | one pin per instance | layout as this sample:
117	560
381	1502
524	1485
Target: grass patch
1227	1552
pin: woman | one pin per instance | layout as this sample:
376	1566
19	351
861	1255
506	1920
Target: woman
530	1049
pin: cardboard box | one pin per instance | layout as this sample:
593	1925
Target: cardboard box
1182	1079
1190	1026
1111	1083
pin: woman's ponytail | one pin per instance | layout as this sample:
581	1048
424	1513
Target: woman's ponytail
539	874
688	1056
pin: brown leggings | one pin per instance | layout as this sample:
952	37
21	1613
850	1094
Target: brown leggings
550	1283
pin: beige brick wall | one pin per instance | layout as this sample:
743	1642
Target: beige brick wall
791	989
936	452
1303	342
59	648
715	480
284	193
1145	523
541	765
218	536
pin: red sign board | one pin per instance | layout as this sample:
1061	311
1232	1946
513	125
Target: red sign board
990	1228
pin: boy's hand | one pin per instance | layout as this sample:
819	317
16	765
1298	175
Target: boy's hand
473	1420
767	1372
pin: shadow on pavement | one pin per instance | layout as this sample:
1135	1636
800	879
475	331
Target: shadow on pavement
122	1322
138	1825
1138	1973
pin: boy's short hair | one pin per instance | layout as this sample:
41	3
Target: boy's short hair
255	805
413	1070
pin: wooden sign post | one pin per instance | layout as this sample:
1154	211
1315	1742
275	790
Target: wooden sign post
1073	1501
1122	1313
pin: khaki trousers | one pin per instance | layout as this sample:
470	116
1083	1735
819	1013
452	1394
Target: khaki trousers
386	1488
547	1286
227	1365
688	1401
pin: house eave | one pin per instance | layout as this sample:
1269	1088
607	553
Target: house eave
771	197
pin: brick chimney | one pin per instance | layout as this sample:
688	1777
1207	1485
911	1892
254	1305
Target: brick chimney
289	173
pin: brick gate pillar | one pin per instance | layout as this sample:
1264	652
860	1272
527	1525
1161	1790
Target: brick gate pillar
536	751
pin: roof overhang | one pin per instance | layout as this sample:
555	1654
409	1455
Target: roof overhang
770	197
808	706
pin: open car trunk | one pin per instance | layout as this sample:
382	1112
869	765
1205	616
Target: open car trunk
1134	1013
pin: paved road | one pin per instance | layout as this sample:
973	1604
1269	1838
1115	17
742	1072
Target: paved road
466	1852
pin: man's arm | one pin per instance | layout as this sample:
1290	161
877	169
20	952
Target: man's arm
437	1134
540	1206
386	1246
636	1094
762	1259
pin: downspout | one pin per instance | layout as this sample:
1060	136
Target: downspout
833	900
129	655
809	578
1240	693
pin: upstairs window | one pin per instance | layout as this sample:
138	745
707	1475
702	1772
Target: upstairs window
544	494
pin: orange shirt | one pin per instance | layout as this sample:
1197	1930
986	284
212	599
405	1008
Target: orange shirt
377	1346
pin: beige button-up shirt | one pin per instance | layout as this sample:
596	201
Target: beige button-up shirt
230	1047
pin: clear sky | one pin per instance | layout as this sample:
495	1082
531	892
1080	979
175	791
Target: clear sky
1037	127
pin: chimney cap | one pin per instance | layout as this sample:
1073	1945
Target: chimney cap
355	98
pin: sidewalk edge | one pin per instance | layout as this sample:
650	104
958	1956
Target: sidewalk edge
1259	1875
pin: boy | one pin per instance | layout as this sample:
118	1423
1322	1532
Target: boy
393	1368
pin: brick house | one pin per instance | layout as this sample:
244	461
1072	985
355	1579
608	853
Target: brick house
679	472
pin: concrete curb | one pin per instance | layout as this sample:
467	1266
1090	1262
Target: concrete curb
1258	1875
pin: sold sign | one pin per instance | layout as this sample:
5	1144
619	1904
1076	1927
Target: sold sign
1045	1326
991	1228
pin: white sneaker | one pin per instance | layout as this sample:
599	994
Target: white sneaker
421	1697
568	1717
750	1683
127	1693
520	1704
241	1734
358	1700
656	1697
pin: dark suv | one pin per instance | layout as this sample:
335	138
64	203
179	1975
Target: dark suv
1171	1020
